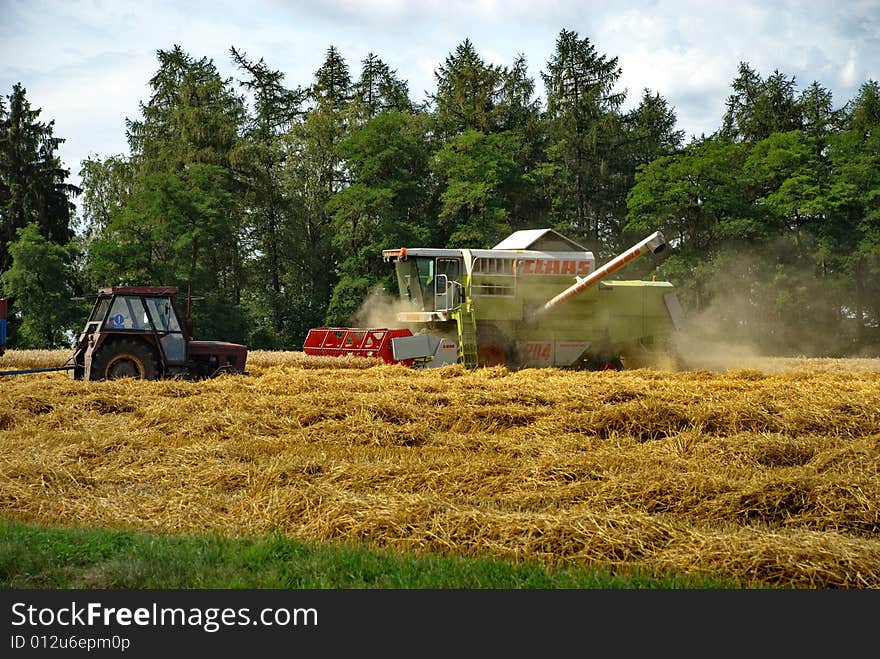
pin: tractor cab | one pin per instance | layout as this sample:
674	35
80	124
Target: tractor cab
143	311
136	314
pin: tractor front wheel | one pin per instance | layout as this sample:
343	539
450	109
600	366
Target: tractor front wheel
125	359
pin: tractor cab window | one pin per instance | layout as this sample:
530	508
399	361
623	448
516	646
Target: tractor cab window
127	312
162	313
100	309
167	326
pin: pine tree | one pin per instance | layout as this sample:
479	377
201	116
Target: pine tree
758	108
259	163
332	87
584	124
192	116
467	93
313	173
32	179
378	90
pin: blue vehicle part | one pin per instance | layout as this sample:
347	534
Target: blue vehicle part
3	311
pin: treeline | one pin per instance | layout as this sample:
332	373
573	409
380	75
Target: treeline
273	201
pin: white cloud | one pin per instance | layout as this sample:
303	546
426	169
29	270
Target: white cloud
848	73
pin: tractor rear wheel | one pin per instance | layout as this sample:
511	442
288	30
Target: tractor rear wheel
125	358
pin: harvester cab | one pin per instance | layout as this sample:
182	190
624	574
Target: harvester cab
535	299
136	331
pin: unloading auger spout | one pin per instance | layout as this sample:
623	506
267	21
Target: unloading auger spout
654	243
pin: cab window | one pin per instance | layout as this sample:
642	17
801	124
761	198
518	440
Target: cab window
100	309
127	312
162	313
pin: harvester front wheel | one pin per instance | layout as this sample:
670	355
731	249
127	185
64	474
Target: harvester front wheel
601	363
125	359
493	347
613	364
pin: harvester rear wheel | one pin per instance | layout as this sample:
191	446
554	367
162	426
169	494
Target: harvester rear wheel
125	358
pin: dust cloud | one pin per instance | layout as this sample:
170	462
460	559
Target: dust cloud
759	307
705	343
379	310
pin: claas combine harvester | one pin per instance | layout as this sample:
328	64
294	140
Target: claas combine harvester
535	299
137	332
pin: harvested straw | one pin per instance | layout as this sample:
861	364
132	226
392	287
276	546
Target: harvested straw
768	477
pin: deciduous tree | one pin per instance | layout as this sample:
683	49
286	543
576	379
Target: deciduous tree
40	281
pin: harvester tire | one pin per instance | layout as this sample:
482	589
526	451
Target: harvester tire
125	358
600	363
493	347
613	364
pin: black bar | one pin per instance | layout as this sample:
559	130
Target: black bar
38	370
444	623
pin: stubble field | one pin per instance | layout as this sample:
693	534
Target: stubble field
768	474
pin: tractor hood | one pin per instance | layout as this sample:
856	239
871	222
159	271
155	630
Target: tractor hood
232	354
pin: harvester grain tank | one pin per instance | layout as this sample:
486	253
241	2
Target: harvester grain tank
655	243
535	299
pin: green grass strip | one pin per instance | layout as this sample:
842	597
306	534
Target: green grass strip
37	557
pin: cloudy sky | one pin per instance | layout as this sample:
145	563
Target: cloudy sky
86	63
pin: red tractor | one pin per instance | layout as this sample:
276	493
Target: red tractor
136	331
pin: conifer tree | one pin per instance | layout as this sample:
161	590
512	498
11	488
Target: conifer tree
584	125
33	187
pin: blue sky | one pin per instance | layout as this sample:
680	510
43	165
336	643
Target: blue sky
86	63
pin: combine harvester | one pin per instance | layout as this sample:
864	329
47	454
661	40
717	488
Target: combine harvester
535	299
